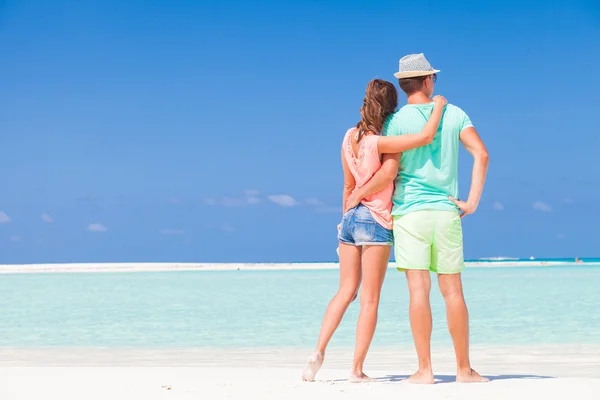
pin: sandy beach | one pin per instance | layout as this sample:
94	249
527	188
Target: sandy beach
516	373
54	362
264	383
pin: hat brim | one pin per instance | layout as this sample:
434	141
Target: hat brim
414	74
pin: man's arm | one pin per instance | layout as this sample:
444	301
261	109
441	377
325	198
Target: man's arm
386	174
474	145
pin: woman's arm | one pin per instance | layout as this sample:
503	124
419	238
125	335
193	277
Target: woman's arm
383	177
349	182
399	144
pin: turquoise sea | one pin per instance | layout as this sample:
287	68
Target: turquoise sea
283	309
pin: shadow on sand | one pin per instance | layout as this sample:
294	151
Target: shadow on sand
452	378
448	378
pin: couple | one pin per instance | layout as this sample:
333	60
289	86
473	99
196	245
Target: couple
420	215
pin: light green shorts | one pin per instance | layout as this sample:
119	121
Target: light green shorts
429	240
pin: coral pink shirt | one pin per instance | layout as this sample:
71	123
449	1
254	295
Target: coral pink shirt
363	167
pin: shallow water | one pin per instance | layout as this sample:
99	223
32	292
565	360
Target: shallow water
248	309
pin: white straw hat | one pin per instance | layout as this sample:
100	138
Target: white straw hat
414	65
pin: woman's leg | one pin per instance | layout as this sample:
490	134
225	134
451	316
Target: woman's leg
375	261
350	274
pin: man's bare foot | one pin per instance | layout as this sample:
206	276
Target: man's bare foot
422	378
360	377
312	366
470	376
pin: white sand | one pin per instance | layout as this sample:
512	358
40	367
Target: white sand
156	267
276	384
549	372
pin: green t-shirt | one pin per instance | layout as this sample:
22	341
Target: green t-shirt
428	174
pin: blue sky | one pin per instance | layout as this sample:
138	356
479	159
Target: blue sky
210	131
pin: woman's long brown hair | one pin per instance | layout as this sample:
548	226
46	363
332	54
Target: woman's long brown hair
381	100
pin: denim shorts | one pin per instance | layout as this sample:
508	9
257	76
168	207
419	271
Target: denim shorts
359	228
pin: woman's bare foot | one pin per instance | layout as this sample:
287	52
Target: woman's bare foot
360	377
312	366
470	376
422	378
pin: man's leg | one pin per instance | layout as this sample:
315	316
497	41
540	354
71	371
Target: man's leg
448	262
419	286
412	233
457	315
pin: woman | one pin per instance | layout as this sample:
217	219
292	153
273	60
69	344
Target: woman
365	234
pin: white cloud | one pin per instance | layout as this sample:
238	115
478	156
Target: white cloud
283	200
231	202
312	202
4	219
47	218
96	228
227	228
15	238
252	196
169	231
497	205
224	201
541	206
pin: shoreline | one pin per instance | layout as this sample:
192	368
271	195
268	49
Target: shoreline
544	359
166	267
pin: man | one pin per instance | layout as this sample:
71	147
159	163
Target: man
427	213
